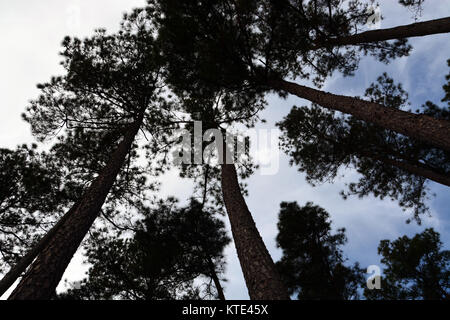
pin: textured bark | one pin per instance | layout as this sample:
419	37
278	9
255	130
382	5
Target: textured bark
421	127
41	280
262	279
15	272
407	31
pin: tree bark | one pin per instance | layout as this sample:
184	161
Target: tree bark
262	279
421	127
15	272
417	29
42	278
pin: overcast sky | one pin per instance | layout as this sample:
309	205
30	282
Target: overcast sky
32	31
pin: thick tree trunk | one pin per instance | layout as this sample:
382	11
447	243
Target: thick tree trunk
42	278
15	272
421	127
262	279
407	31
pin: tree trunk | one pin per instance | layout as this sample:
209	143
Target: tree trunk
421	127
42	278
15	272
215	278
414	167
417	169
262	279
213	273
407	31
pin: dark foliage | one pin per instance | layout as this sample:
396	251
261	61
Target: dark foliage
322	142
416	268
312	264
234	45
168	250
32	195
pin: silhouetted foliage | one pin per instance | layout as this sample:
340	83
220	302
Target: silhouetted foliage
168	250
112	85
416	6
32	195
108	80
312	264
321	142
219	59
82	154
416	268
234	44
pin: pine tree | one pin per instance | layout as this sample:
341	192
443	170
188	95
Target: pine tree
111	82
216	111
312	264
235	46
321	142
160	261
416	269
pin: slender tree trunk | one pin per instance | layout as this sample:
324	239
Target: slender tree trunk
15	272
407	31
414	167
421	127
418	169
262	279
42	278
215	278
213	273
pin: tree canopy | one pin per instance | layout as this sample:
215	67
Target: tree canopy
32	195
123	100
417	268
313	265
166	252
322	142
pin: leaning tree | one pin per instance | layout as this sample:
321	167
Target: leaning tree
112	83
253	46
169	249
417	268
312	264
237	45
322	142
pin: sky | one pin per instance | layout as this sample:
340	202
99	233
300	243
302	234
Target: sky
32	31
